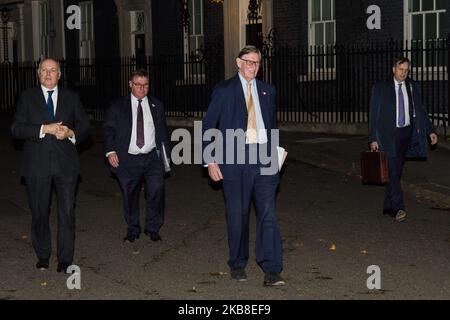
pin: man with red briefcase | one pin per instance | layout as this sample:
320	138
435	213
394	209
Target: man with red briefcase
399	126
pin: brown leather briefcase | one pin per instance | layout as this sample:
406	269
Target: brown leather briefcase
374	168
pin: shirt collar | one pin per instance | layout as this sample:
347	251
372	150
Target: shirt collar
134	99
398	83
244	81
45	89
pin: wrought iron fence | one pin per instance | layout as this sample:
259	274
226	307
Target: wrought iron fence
321	84
331	84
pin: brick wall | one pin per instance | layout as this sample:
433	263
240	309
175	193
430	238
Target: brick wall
290	21
167	27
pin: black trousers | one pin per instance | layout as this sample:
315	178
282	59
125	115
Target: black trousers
393	194
39	196
145	168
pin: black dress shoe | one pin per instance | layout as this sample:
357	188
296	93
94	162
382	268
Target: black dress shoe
130	238
62	267
273	279
238	274
389	213
42	264
154	236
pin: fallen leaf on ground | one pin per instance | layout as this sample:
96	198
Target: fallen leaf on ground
220	273
333	247
43	284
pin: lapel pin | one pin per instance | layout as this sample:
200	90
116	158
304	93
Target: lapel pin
153	105
264	93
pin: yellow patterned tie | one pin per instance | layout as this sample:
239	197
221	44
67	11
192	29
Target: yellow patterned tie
251	123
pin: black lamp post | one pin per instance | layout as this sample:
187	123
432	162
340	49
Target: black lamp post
5	15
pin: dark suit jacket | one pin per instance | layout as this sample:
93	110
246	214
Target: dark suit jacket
118	125
43	157
228	110
382	119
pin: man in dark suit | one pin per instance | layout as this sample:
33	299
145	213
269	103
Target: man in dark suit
247	105
51	120
136	144
399	126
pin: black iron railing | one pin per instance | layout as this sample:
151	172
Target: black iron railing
326	84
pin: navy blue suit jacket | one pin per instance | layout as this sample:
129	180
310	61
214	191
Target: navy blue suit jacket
382	119
228	110
43	157
118	125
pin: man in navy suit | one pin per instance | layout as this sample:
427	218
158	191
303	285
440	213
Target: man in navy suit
136	142
51	120
399	126
247	105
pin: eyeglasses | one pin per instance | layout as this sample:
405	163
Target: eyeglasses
142	86
251	62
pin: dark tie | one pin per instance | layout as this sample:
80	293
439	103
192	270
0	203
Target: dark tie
140	126
50	108
401	107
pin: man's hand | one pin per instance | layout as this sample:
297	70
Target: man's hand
51	128
64	132
434	138
214	172
113	160
374	146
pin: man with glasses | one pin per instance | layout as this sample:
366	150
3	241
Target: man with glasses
51	120
247	105
136	142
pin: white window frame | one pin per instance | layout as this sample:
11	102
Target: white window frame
438	69
319	71
41	38
86	39
191	77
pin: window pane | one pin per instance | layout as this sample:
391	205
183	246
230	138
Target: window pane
427	5
417	27
414	5
329	33
430	26
315	10
441	25
326	10
440	4
318	32
198	24
200	45
191	17
192	44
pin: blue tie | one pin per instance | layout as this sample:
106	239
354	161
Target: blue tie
50	108
401	107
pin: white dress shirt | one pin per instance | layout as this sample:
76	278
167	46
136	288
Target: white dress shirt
260	128
149	127
406	102
55	105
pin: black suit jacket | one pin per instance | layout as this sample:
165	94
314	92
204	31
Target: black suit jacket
382	118
228	110
118	125
47	156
